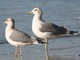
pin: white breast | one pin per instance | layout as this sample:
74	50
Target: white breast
36	25
12	42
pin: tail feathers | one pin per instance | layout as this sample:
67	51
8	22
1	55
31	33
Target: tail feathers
40	40
73	32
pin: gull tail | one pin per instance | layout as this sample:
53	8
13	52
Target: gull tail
73	32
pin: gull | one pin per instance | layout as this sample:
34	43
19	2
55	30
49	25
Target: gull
16	37
46	30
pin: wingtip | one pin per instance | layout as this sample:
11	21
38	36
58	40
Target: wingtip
73	32
41	41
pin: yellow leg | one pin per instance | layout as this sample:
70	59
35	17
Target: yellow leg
16	58
46	49
20	53
16	51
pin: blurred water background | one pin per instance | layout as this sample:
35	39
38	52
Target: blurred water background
61	12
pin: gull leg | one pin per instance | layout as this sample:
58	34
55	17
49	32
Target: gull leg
46	49
20	53
16	51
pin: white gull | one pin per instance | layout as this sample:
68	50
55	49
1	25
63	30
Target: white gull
16	37
46	30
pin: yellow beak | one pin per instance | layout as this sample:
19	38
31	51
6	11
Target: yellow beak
29	13
5	22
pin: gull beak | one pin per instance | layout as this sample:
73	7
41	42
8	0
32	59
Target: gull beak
5	22
29	13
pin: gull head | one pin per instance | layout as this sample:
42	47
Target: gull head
10	22
35	11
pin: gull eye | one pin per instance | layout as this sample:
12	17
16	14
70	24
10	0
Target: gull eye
35	10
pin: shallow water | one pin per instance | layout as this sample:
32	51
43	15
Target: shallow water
61	12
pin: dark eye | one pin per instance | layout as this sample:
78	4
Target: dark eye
35	10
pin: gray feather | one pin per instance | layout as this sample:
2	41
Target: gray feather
50	27
20	36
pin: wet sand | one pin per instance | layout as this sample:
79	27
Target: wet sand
61	12
59	49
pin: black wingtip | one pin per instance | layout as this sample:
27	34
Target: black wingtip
40	40
72	32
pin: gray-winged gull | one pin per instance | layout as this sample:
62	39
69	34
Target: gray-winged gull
16	37
46	30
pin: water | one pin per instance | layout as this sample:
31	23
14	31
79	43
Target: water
61	12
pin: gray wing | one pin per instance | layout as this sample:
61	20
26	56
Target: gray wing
19	36
50	27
